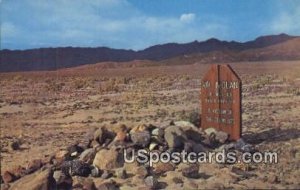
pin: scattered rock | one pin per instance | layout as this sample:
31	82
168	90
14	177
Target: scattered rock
210	131
74	150
185	125
83	183
121	173
140	138
33	166
106	174
191	171
61	156
75	167
141	171
158	132
87	155
108	159
40	180
177	180
62	181
197	148
95	171
8	177
221	136
151	182
108	186
139	128
174	137
242	146
15	145
152	146
102	135
161	168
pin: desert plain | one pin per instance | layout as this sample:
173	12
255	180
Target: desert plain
47	111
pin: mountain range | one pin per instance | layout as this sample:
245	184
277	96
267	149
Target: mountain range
272	47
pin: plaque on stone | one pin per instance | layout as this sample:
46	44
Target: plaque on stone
221	100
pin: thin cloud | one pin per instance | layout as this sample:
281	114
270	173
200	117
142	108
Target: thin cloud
189	17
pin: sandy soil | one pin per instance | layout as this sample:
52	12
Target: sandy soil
51	110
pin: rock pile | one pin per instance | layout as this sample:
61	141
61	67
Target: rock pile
97	162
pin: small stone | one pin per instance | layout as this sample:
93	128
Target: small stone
152	146
87	155
191	171
75	167
75	150
197	148
33	166
175	137
161	168
241	145
62	181
139	128
5	186
106	174
221	137
188	147
151	182
61	156
108	159
15	145
210	131
177	180
185	125
108	186
159	132
8	177
102	135
142	171
83	183
141	138
95	172
121	173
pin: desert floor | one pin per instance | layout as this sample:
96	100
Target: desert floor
48	111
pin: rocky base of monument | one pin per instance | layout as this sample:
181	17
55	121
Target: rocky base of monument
97	161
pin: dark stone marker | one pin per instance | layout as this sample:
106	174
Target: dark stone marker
221	101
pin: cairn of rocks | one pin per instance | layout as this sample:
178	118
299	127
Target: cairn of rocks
97	162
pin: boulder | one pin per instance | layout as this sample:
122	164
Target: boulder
151	182
121	173
175	137
40	180
87	155
83	183
191	171
102	135
110	185
8	177
160	168
34	165
140	138
221	136
75	167
108	159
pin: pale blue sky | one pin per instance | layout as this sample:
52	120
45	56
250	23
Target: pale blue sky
137	24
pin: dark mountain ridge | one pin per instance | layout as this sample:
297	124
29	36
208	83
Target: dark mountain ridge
65	57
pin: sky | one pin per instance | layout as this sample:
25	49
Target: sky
138	24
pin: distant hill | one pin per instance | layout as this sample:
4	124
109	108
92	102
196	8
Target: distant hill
273	47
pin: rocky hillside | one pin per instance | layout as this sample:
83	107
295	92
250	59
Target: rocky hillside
56	58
